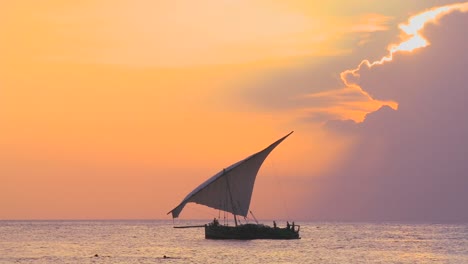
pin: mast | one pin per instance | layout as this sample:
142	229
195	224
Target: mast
230	196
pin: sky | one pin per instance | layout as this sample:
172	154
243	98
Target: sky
118	109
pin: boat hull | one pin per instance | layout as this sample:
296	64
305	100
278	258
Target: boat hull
250	231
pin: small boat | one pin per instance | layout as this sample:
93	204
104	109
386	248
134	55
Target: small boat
230	190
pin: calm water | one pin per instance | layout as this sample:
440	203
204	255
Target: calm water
148	241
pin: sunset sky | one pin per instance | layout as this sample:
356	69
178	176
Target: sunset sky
118	109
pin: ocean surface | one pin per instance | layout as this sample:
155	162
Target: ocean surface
148	241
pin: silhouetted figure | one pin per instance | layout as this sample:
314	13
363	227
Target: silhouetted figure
287	225
293	226
215	222
274	224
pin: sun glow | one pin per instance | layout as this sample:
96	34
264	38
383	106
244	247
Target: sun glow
412	40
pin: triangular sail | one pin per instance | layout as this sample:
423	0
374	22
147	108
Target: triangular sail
231	189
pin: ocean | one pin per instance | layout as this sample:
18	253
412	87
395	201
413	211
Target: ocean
133	241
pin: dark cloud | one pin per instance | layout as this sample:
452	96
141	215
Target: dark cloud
410	164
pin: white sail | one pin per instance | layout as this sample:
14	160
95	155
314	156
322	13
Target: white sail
231	189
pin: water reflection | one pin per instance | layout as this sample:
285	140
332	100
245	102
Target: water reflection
149	241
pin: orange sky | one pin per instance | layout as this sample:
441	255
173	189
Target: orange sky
117	109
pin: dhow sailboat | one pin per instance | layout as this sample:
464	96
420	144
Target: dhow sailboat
230	190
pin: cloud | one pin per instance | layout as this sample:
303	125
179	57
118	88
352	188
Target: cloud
410	164
347	103
412	39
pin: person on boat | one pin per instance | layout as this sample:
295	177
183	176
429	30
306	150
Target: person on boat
215	222
293	225
287	224
274	224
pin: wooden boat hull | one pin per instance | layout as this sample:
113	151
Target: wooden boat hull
250	231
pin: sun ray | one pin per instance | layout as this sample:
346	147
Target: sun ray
412	39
